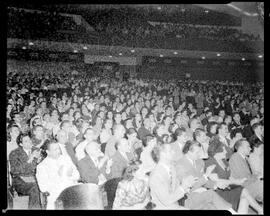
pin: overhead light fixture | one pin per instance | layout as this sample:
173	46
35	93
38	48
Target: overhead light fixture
31	43
75	51
243	59
260	56
24	47
132	50
85	47
218	54
161	55
203	57
175	53
120	54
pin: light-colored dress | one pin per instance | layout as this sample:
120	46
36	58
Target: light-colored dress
132	194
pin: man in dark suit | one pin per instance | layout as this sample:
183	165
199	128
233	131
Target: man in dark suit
121	158
23	162
240	169
94	167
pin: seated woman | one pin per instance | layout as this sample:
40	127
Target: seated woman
232	192
133	191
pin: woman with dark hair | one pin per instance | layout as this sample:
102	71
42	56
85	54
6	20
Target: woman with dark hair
234	193
133	191
212	129
134	142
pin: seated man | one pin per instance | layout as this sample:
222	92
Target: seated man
121	158
118	133
23	162
240	169
55	173
202	195
94	167
165	188
65	146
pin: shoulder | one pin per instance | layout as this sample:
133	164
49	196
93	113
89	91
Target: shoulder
15	152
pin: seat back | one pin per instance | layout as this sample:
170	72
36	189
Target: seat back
110	187
80	197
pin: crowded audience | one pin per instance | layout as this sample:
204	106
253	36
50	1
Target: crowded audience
179	144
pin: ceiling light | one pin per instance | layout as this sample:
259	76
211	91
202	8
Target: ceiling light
132	50
85	47
203	57
260	56
31	43
24	47
75	51
175	53
218	54
161	55
243	59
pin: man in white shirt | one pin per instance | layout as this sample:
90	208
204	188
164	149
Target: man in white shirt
55	173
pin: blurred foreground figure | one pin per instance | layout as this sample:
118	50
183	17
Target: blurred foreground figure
80	197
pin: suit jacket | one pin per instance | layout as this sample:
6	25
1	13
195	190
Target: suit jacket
119	164
184	168
18	164
239	167
88	170
165	192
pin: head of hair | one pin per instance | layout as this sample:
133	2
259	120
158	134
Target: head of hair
128	172
9	131
131	131
198	133
234	132
20	137
214	148
63	123
239	143
189	146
